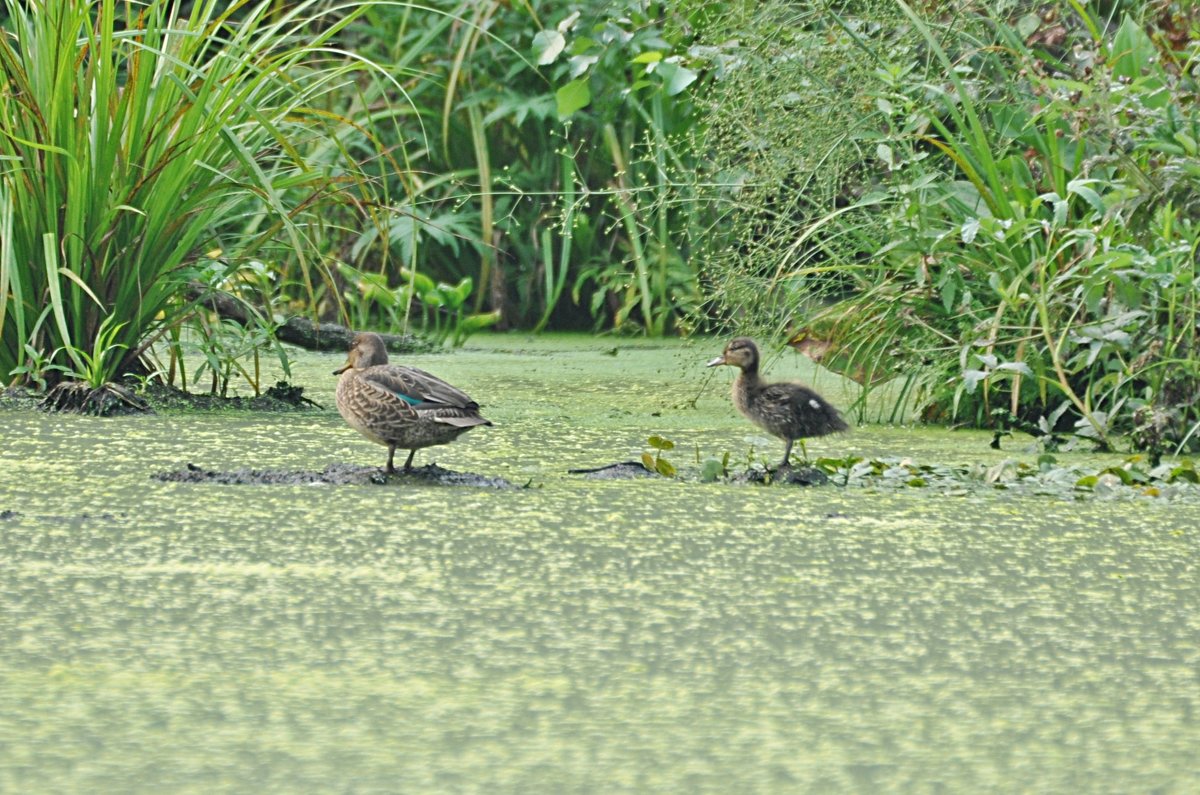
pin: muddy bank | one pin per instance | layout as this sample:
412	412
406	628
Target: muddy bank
334	475
795	476
279	398
148	399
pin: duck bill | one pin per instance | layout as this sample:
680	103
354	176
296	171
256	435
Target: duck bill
342	369
719	360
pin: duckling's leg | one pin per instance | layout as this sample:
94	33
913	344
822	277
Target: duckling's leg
408	463
787	456
391	467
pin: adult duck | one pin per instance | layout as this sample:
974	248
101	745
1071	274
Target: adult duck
400	406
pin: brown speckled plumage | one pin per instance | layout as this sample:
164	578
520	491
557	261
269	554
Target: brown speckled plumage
785	409
400	406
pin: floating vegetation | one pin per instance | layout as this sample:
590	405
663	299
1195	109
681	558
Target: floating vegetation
654	462
1133	477
585	626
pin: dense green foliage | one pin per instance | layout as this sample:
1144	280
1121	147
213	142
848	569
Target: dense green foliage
997	205
545	144
992	201
132	144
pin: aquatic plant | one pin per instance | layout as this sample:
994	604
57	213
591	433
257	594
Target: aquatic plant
443	314
656	462
713	469
131	138
1135	476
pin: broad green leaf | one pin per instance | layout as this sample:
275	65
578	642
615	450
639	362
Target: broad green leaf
1028	25
421	283
664	468
659	443
1184	472
572	97
1122	473
463	289
581	63
1081	189
547	46
1016	367
971	379
652	56
472	323
711	470
675	77
884	153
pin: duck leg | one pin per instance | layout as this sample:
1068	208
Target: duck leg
408	463
391	465
787	456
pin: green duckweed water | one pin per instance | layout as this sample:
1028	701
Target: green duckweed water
576	636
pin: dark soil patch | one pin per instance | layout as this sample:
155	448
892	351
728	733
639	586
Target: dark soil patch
18	397
283	397
114	399
795	476
334	475
622	470
9	515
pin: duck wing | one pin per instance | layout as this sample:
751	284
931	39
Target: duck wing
801	410
417	388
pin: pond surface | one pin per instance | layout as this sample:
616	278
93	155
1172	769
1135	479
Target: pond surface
576	636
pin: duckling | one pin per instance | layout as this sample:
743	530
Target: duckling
785	409
400	406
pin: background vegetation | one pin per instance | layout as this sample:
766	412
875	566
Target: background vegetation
997	205
993	203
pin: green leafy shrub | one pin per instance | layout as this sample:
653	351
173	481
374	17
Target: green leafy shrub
546	163
1016	233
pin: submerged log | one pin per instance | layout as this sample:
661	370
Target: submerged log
301	331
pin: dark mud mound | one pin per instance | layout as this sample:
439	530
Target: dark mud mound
334	475
619	471
282	397
109	400
795	476
18	397
117	399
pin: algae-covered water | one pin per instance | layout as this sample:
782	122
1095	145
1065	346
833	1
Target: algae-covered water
576	636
